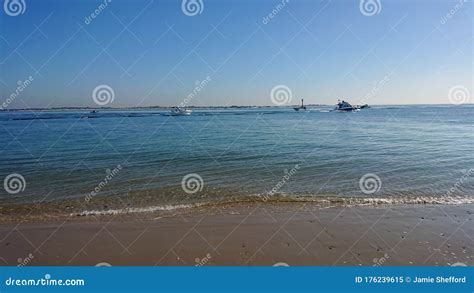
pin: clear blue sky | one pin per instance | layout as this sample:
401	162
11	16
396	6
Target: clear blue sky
151	53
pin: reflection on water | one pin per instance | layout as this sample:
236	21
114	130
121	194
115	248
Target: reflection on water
413	150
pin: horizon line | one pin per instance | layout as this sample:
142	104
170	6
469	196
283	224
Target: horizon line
204	107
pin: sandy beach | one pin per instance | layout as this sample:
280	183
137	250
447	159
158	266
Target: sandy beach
263	234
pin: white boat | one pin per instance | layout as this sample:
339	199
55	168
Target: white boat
177	111
343	106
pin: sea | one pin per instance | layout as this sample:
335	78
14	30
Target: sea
398	154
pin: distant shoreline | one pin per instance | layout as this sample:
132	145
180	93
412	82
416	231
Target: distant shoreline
211	107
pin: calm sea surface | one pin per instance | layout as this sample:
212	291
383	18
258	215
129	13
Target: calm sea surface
396	152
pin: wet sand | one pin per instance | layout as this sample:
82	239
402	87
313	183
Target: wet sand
250	234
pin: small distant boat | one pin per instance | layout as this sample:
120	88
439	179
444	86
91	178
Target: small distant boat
177	111
92	114
302	107
365	106
343	106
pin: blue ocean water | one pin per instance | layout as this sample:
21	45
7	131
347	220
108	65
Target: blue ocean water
385	152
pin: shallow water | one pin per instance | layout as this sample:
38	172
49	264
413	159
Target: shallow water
416	152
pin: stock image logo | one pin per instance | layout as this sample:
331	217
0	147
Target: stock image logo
370	7
14	7
103	264
199	262
380	261
370	183
22	85
459	95
192	7
281	95
276	10
281	264
192	183
103	95
99	9
104	182
25	260
459	4
14	183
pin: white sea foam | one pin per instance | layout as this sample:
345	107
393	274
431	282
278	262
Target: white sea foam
149	209
454	200
327	201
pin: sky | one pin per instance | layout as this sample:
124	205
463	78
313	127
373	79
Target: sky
155	52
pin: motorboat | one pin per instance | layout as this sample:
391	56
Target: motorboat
92	114
343	106
177	111
302	107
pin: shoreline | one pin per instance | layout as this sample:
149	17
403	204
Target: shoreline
250	233
81	207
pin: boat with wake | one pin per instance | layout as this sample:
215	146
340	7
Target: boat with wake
177	111
343	106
